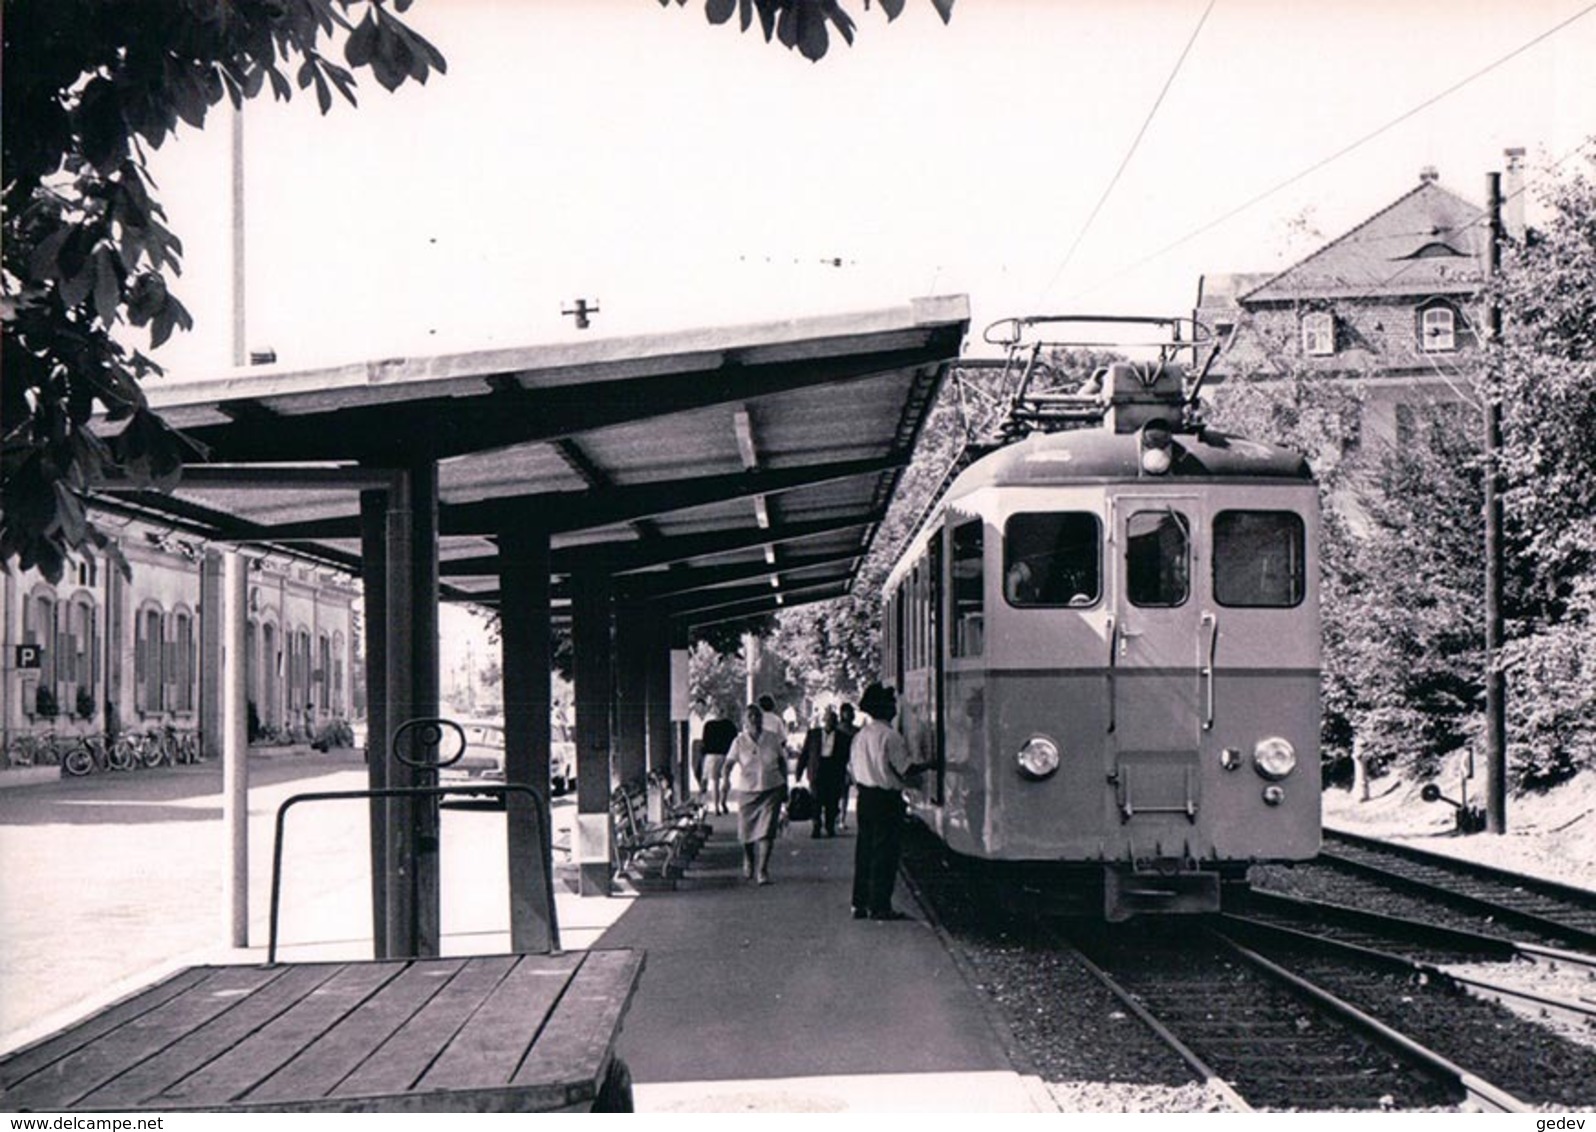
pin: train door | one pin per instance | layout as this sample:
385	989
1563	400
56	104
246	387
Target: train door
1155	701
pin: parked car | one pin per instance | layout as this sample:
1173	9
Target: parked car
483	758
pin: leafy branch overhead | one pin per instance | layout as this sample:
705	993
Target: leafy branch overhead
87	93
802	24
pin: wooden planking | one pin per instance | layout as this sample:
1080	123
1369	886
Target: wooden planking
32	1057
399	1063
578	1040
318	1068
262	1052
112	1053
199	1046
488	1048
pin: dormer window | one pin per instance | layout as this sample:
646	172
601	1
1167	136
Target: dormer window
1437	329
1319	334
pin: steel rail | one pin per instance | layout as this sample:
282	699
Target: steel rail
1434	972
1210	1076
1490	946
1553	889
1487	1096
1401	882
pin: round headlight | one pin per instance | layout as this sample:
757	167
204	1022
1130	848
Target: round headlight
1038	758
1274	757
1155	461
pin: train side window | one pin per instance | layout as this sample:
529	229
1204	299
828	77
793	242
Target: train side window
1158	558
1052	558
1258	559
969	580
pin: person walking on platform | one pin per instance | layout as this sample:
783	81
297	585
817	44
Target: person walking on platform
757	769
719	734
879	762
824	763
846	725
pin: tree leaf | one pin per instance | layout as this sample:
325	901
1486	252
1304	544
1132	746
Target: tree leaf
719	11
944	9
893	8
107	286
362	42
44	264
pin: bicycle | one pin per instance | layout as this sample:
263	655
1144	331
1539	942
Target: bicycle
127	752
87	754
30	749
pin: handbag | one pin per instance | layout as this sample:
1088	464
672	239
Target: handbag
800	804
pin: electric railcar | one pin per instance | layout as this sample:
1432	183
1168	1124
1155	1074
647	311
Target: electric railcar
1105	637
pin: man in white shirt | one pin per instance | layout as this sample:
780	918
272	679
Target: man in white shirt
879	762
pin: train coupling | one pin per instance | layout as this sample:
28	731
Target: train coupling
1128	892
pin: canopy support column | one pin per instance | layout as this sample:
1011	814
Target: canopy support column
591	644
527	660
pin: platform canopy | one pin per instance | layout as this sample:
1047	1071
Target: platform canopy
716	473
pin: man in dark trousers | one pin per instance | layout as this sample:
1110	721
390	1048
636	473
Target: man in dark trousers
824	763
879	761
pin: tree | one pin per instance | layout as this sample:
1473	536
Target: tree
804	25
1547	371
88	88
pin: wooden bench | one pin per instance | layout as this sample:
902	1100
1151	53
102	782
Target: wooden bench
496	1033
654	855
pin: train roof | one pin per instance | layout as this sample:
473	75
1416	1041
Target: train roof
1091	454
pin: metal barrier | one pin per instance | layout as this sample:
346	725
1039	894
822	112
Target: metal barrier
432	735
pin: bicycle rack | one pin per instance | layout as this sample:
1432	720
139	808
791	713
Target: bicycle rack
431	735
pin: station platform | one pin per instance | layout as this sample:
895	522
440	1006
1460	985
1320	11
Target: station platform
774	999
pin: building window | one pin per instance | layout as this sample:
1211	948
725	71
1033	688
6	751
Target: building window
1319	334
1437	329
183	662
147	660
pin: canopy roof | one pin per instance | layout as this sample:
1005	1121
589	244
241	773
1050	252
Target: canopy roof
720	471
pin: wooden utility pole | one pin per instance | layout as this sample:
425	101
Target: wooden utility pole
1495	682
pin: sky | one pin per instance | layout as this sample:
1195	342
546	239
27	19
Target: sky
1040	156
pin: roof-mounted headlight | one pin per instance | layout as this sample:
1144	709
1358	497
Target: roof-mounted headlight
1158	452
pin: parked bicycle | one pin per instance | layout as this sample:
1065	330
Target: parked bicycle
85	755
31	748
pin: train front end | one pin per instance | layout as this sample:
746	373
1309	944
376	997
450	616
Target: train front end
1130	678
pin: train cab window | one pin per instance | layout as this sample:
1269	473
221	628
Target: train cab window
968	582
1157	558
1052	559
1258	559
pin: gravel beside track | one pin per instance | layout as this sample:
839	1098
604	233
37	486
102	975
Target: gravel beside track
1063	1025
1529	1060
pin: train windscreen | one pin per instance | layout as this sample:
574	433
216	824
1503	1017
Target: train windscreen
1052	558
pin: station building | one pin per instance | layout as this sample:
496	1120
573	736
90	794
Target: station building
100	651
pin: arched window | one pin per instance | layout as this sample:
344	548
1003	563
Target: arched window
323	672
271	670
1437	329
148	660
182	671
1318	334
338	704
81	653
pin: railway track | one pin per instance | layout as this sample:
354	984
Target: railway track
1510	900
1278	1040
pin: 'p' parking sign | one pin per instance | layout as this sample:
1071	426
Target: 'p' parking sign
30	656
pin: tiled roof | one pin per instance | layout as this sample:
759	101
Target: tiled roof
1429	241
